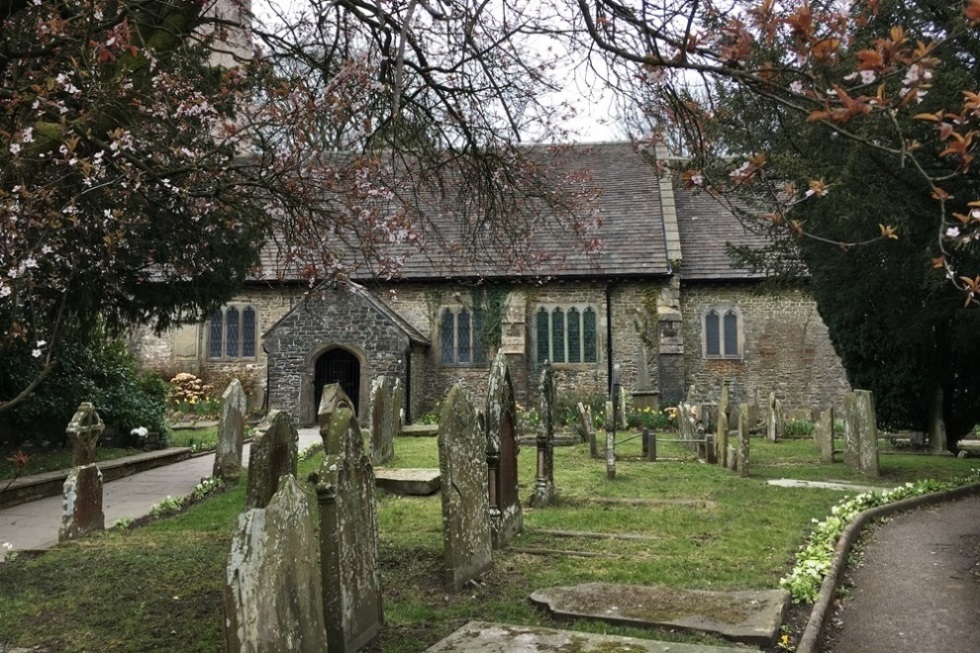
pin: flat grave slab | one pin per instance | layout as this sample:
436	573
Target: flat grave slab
824	485
413	481
485	637
420	430
752	617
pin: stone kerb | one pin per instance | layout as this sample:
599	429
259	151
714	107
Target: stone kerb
272	593
274	454
385	402
465	504
506	517
231	431
82	511
861	432
83	431
348	536
544	484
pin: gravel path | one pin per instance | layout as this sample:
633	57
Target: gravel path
917	589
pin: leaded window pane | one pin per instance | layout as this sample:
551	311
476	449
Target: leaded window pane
248	332
479	339
589	336
731	333
232	332
214	337
712	340
541	327
447	329
463	336
574	336
558	336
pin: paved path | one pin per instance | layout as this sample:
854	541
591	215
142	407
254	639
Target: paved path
918	587
34	525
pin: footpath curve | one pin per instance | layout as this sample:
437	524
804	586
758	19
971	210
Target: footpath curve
812	637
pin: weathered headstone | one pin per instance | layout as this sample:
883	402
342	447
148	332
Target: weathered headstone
231	431
860	432
273	597
83	431
273	454
588	429
348	535
743	440
506	517
823	433
938	441
82	503
332	398
544	483
721	438
386	397
465	504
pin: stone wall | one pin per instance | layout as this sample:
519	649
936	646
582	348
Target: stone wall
786	348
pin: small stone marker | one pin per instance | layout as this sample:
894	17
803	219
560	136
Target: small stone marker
861	432
823	433
465	505
84	430
272	593
386	399
82	503
349	557
750	616
506	517
743	440
544	483
231	431
273	454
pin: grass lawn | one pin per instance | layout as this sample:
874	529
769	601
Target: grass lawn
202	439
158	587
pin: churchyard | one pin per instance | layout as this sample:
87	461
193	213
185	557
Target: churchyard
677	523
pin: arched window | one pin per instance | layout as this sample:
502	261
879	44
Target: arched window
574	336
557	336
542	335
565	334
232	332
461	336
722	333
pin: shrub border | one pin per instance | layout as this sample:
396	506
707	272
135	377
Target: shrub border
812	636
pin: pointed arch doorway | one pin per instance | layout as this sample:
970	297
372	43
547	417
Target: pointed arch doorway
336	366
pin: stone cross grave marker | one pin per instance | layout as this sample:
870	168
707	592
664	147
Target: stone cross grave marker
83	431
465	504
82	503
861	432
348	536
506	517
544	484
823	433
231	431
272	594
386	404
743	440
274	454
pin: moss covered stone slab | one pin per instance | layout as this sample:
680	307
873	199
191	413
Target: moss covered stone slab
483	637
408	480
752	617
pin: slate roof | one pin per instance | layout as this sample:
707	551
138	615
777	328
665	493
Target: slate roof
706	226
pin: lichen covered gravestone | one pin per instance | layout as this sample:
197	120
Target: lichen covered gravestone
83	431
272	594
465	505
544	483
231	431
587	429
82	503
274	454
506	517
861	432
386	404
744	420
823	433
348	535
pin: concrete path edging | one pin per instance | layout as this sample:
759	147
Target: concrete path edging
812	637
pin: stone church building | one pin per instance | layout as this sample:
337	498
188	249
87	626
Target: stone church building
660	298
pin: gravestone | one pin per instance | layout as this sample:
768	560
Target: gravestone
721	439
386	404
775	422
465	504
348	535
231	431
83	431
272	594
937	425
272	456
506	518
332	398
82	503
823	433
588	428
544	483
860	432
743	440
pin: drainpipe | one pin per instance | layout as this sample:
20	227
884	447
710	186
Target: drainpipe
268	377
408	383
609	340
